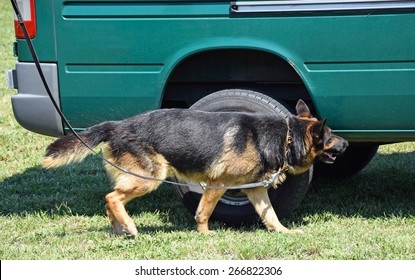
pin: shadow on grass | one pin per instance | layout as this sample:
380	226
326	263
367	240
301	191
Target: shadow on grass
385	188
80	189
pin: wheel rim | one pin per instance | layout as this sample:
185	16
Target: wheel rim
234	198
231	197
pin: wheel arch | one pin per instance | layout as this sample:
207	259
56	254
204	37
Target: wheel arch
240	66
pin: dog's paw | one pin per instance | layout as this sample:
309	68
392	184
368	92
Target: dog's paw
296	231
123	232
207	232
286	230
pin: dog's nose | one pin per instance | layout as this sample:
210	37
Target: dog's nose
345	144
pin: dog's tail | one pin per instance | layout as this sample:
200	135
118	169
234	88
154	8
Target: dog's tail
68	149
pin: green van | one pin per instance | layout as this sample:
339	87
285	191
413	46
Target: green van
352	61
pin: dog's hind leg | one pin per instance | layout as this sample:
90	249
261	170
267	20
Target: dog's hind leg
206	206
260	200
116	201
118	216
128	187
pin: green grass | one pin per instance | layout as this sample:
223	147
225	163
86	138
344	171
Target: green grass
60	214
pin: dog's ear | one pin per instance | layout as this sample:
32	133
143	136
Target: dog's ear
302	109
317	129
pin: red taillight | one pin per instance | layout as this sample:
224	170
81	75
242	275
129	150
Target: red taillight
27	9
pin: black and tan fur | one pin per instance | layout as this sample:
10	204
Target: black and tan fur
217	148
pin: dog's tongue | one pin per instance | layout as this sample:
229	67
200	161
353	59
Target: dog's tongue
331	156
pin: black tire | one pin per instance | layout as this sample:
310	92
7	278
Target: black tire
234	208
354	159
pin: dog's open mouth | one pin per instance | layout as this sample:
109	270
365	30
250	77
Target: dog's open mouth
328	156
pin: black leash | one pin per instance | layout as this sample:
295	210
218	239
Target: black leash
32	50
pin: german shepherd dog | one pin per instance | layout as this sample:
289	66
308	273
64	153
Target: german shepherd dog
217	148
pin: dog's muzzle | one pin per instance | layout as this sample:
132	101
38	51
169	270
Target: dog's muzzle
338	146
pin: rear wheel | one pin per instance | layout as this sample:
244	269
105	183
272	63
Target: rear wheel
234	207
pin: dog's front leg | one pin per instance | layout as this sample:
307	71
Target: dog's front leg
206	206
260	200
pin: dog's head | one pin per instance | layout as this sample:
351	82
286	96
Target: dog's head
325	145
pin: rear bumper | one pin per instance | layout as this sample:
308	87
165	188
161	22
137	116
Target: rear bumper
32	107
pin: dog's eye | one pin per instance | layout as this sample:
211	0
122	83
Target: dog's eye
328	142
